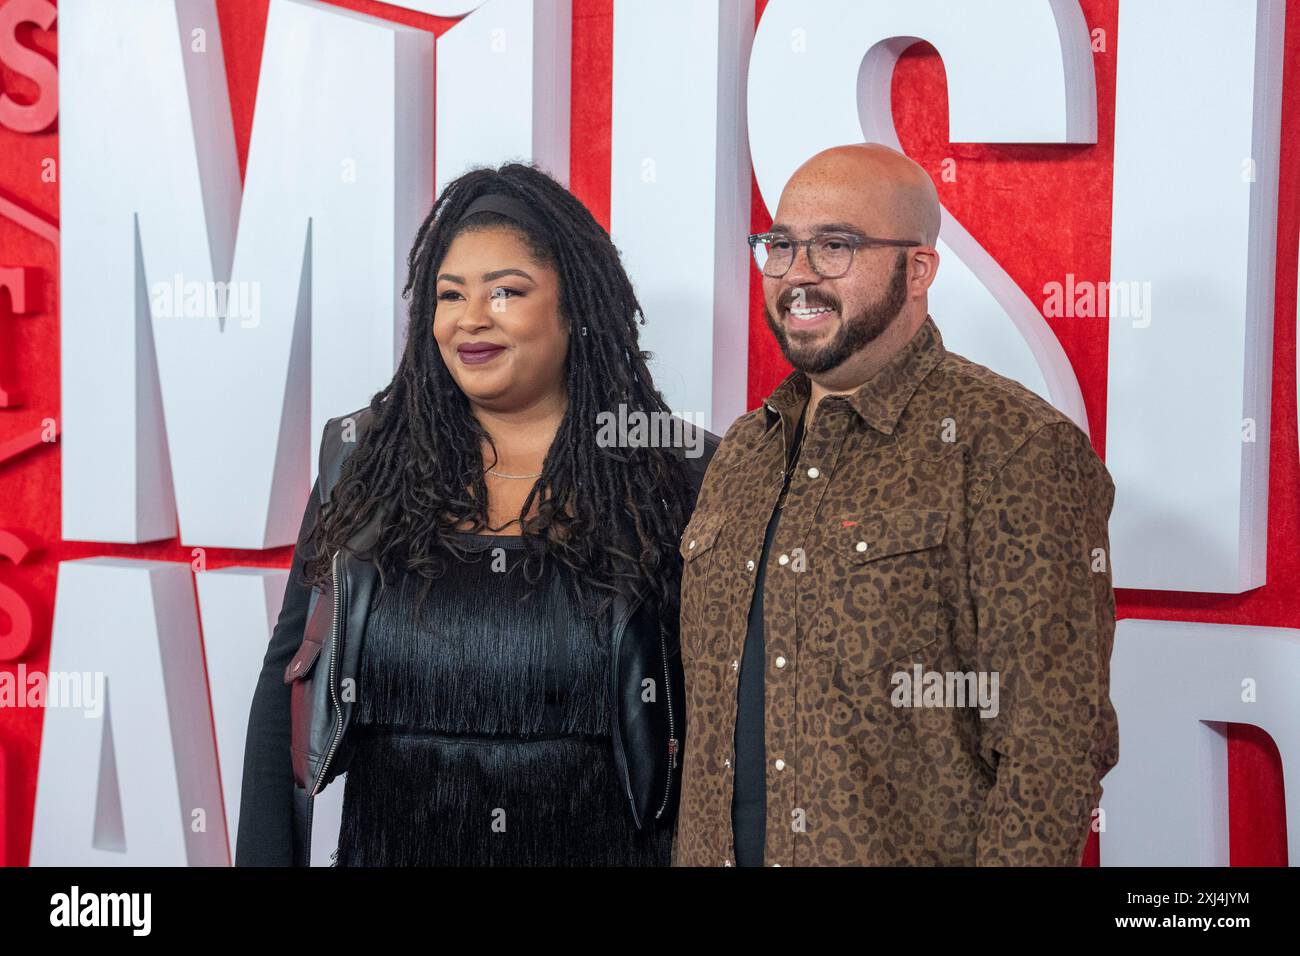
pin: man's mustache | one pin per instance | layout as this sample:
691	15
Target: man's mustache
807	299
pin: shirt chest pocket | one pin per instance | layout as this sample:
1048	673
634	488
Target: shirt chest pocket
880	587
702	605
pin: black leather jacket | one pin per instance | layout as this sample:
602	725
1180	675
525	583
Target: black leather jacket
315	652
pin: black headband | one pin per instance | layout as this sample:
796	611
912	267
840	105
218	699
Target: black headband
507	206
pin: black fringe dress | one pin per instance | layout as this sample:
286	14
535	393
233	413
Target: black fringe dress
483	734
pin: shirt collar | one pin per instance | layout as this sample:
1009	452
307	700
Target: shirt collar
881	399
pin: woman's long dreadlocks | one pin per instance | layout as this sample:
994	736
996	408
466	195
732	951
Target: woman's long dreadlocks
612	515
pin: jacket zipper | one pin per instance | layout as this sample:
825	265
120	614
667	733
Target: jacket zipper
672	731
334	656
619	627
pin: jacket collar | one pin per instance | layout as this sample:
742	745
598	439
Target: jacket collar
881	399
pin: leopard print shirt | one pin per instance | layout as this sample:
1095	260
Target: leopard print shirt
938	618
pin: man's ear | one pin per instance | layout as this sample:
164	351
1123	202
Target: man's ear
923	269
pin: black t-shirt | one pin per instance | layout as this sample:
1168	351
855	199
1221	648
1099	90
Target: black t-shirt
749	796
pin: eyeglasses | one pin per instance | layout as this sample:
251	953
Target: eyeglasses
830	254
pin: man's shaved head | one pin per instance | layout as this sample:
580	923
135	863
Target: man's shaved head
886	188
838	325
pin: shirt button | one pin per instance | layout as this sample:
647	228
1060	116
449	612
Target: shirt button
749	565
735	665
780	662
726	863
776	864
861	546
727	763
783	560
780	764
691	546
813	473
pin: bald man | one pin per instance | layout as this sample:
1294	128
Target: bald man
897	612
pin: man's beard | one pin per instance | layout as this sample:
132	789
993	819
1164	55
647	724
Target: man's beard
854	333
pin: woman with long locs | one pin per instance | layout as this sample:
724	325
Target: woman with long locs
517	673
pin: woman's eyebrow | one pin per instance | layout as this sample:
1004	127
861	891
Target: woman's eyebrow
489	276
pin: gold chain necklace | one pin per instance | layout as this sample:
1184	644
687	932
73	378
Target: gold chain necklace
501	474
